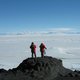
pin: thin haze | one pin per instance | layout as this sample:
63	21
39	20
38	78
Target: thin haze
35	15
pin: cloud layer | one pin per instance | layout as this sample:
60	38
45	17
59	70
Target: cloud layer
47	32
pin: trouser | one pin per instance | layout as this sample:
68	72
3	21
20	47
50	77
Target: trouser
42	54
33	54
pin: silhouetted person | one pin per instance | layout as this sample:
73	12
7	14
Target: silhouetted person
42	49
33	49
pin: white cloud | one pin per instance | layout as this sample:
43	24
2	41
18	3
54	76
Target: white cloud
62	29
48	31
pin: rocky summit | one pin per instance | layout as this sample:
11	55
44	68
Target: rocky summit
46	68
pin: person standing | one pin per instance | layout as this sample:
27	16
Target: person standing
42	49
33	49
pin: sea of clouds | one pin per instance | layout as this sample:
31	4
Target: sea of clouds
60	43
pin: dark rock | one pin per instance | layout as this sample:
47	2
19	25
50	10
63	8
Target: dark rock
2	70
46	68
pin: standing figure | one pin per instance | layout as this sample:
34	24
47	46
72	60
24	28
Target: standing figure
42	49
33	49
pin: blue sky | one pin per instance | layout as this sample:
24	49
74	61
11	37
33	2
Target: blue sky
36	15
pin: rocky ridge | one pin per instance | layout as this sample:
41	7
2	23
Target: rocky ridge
46	68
